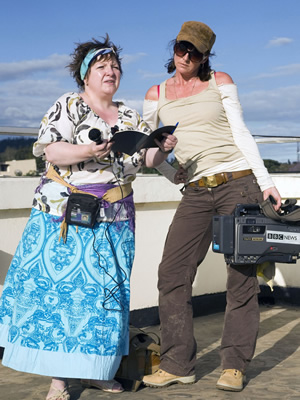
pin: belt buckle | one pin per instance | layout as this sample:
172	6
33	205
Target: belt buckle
210	181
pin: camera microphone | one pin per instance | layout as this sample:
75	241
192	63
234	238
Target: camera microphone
95	136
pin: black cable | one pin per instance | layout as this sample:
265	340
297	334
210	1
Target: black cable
111	293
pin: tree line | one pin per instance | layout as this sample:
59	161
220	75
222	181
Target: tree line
21	149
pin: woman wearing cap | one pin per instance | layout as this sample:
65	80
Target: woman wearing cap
224	168
64	310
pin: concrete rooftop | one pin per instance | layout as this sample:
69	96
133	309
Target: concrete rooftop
273	374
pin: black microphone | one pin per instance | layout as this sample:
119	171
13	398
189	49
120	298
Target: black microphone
95	136
114	129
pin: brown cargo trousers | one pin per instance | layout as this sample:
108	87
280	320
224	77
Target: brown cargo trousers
187	243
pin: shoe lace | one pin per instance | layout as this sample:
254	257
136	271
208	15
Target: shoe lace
234	373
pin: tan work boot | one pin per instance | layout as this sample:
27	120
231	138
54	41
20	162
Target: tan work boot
162	379
231	379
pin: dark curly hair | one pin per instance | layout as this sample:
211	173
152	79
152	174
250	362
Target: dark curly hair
82	50
203	71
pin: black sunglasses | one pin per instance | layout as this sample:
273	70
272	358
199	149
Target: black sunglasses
181	48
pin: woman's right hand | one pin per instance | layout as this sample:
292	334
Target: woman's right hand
64	154
276	196
102	150
181	176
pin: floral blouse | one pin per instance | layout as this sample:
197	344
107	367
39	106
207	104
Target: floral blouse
69	120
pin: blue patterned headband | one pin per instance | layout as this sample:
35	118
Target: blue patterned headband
91	55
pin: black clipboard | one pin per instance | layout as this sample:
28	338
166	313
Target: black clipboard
130	142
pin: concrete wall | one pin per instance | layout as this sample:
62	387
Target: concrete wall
156	201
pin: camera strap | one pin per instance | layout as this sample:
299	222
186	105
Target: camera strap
290	212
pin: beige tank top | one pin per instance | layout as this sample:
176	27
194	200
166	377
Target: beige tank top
204	136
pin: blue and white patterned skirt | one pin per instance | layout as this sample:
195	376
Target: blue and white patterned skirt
64	309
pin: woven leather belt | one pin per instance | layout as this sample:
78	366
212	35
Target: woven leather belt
117	193
111	195
216	180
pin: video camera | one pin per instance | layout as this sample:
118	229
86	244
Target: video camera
249	237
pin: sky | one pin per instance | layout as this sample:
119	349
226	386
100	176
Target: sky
257	44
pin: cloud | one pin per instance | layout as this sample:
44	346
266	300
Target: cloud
282	152
132	58
28	88
24	111
285	70
31	88
55	63
21	69
152	75
280	41
280	104
24	102
136	104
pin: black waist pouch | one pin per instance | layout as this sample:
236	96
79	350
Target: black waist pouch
82	209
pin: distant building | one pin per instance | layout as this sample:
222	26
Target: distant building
295	167
17	167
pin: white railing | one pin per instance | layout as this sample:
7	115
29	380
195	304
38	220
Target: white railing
15	131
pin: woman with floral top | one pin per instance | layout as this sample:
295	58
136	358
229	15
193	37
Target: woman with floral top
64	310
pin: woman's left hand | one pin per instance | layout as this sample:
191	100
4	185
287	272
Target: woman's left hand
167	144
154	156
